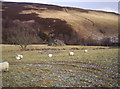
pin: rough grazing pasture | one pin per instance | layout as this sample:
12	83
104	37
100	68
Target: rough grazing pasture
98	67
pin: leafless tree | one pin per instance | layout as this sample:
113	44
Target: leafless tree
22	35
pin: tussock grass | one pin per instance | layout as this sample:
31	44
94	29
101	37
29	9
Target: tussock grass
97	67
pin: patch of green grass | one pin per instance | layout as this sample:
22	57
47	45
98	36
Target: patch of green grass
37	69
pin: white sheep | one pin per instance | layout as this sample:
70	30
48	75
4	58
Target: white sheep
71	53
4	66
21	56
18	57
49	55
85	51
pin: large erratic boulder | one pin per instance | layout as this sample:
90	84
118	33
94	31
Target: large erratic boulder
55	42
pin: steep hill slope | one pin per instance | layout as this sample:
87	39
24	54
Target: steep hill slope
72	25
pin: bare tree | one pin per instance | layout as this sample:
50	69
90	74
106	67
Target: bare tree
22	35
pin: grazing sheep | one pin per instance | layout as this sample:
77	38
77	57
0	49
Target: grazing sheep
21	56
49	55
85	50
4	66
18	57
71	53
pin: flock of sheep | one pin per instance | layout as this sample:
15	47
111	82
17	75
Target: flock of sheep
70	53
4	66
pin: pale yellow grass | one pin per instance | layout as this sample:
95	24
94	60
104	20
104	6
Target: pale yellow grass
83	22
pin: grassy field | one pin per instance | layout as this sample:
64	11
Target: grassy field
97	67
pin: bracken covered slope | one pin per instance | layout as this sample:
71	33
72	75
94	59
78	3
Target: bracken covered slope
72	25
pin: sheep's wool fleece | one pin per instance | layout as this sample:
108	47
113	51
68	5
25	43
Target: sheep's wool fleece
4	66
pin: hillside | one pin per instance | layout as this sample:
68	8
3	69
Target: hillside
72	25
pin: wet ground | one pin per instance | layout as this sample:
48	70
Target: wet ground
63	74
96	68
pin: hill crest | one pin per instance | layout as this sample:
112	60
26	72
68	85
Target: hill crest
72	25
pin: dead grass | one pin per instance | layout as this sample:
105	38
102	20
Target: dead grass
98	67
79	21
